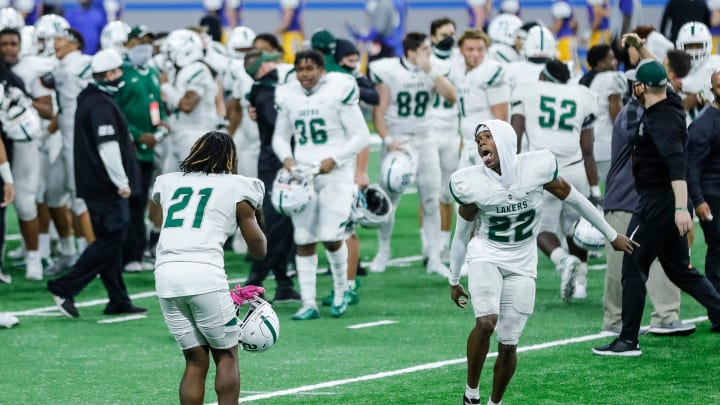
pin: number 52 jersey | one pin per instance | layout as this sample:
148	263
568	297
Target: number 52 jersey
509	219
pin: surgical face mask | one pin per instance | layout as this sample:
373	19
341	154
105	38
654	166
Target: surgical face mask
355	71
139	55
111	87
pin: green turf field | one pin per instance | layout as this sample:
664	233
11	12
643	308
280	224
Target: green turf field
49	359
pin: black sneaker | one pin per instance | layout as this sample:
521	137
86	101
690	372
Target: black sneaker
470	401
715	328
619	347
674	328
286	295
132	309
66	306
361	271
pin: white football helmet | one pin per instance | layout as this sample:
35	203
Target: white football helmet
398	170
184	47
540	43
11	18
46	28
695	39
292	191
114	36
503	29
587	237
240	38
19	120
28	42
259	327
372	207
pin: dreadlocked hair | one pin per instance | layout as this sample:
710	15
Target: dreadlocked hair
213	153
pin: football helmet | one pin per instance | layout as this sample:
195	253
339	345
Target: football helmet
259	327
240	38
184	47
539	43
587	237
11	18
114	35
19	120
695	39
398	170
371	207
503	28
292	191
46	28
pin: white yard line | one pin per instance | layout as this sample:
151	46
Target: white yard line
372	324
123	318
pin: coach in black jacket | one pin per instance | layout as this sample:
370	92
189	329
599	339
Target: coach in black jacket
661	221
703	176
106	172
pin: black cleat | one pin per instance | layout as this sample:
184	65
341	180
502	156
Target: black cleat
132	309
619	347
286	295
470	401
66	306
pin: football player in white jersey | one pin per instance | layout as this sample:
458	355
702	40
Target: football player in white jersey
27	154
191	95
538	47
559	117
609	85
203	205
407	87
482	90
695	39
445	128
505	193
321	111
502	31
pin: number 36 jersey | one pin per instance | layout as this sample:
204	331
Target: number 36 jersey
412	93
509	219
555	114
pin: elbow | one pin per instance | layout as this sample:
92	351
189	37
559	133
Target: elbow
257	248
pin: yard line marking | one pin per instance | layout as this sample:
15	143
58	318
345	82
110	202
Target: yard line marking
123	318
400	260
371	324
91	303
427	366
600	266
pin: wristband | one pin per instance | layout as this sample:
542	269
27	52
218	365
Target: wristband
595	191
5	173
387	140
681	209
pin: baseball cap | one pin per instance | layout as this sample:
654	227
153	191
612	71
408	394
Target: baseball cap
648	72
323	40
253	61
106	60
139	32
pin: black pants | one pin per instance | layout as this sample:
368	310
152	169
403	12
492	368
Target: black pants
137	234
110	219
278	231
654	226
712	239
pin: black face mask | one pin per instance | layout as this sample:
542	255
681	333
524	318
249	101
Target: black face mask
717	99
446	44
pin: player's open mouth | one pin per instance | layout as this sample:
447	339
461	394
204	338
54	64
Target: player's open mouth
487	157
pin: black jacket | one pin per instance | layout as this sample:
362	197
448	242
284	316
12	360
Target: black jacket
262	97
703	171
659	154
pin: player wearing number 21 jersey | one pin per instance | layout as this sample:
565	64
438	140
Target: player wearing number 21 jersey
505	193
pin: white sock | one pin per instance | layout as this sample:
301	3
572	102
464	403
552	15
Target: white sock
472	393
557	255
307	275
581	277
82	243
33	255
67	246
431	226
156	229
352	284
338	267
445	239
490	402
44	244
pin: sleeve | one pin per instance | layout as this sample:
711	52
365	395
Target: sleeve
377	73
460	188
561	10
283	129
698	149
251	190
618	84
497	88
591	110
112	160
548	166
358	135
667	134
517	103
104	125
196	80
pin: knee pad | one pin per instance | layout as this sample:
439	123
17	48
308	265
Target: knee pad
25	205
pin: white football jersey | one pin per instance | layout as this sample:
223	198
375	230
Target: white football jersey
604	85
502	53
555	114
199	214
412	93
196	77
316	119
478	90
72	74
698	82
509	219
522	71
30	69
444	115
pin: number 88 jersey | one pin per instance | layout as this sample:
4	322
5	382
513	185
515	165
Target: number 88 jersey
412	93
555	114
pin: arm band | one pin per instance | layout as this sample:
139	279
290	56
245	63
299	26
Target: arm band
588	211
5	173
458	247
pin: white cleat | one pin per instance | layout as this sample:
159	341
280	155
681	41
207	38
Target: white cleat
33	269
133	267
7	320
580	292
436	266
569	266
17	253
380	262
5	278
